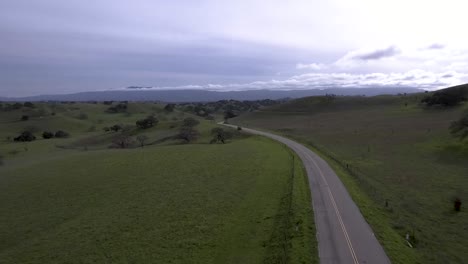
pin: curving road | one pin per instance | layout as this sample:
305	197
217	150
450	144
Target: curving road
342	232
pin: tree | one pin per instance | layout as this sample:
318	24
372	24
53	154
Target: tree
220	135
122	141
47	135
188	134
459	128
25	136
61	134
142	139
229	114
148	122
190	122
119	108
169	107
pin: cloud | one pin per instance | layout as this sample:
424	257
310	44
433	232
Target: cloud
311	66
411	79
436	46
378	54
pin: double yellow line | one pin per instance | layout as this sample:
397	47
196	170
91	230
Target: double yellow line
340	220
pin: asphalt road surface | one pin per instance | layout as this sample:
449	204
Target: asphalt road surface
342	232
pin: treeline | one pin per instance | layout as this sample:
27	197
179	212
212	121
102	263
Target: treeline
229	108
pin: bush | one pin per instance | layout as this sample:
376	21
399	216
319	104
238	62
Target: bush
25	136
47	135
116	127
24	118
61	134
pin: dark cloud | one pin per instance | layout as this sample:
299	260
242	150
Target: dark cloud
378	54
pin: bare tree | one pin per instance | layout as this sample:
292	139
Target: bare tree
142	139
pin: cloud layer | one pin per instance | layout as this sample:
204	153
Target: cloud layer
412	79
56	46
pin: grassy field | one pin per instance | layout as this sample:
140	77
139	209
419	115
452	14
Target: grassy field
397	159
75	200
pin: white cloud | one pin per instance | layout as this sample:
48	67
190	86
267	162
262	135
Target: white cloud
412	79
311	66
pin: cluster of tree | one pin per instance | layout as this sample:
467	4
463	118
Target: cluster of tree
148	122
459	128
220	135
447	97
119	108
230	108
57	134
187	131
16	106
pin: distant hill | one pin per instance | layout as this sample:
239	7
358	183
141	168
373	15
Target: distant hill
206	96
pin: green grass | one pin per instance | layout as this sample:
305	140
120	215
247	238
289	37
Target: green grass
386	151
243	202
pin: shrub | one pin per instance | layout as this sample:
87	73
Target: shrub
61	134
47	135
25	136
116	127
24	118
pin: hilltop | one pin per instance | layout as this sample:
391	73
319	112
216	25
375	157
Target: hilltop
142	94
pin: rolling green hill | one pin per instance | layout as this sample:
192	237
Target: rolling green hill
76	200
397	158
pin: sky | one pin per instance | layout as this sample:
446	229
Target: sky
56	46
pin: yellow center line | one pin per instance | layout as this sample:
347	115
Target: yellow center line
348	240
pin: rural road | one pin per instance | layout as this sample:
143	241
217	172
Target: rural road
342	232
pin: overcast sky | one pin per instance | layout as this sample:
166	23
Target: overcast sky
57	46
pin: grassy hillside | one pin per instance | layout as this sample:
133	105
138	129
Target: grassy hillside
75	200
398	160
